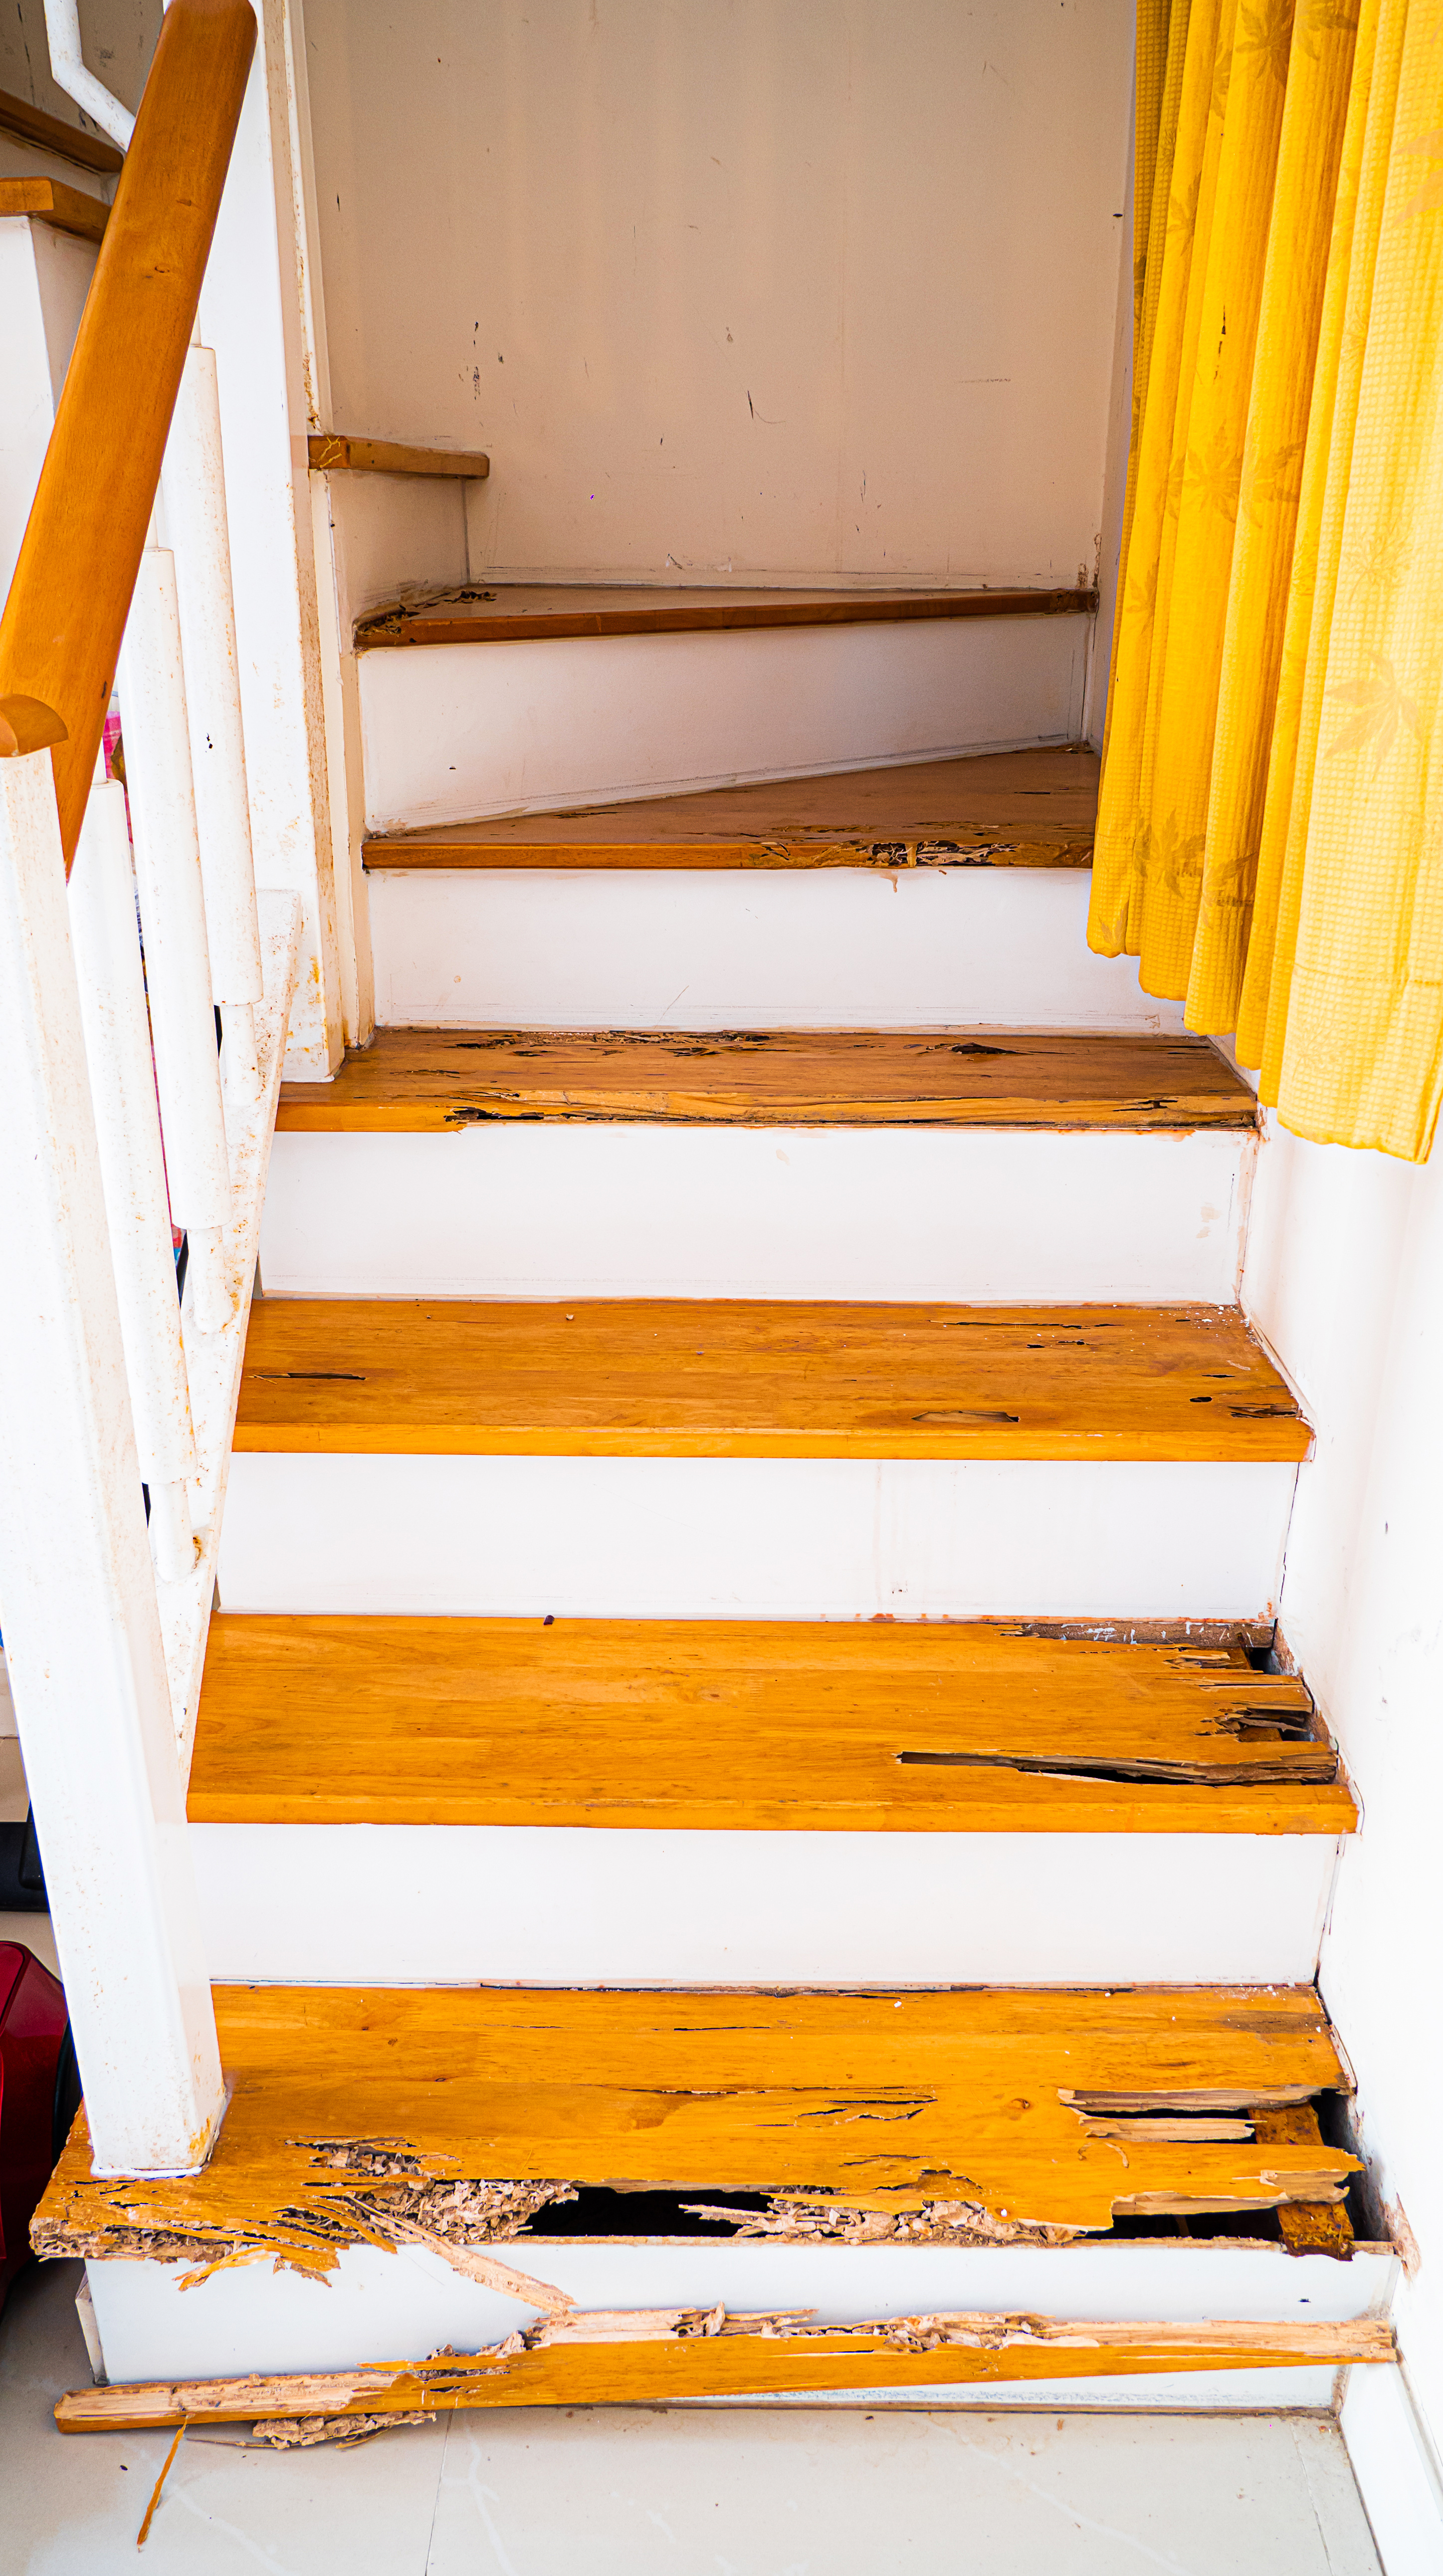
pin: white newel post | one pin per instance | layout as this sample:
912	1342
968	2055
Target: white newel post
77	1592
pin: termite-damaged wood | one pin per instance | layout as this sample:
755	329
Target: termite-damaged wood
473	2106
517	612
1031	809
743	1724
617	1377
429	1081
1306	2227
647	2357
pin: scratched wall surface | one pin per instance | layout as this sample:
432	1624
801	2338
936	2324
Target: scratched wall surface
732	288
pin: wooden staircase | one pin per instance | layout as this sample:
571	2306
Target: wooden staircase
721	1790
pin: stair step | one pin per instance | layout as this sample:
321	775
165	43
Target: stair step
1019	809
695	1378
998	2114
547	721
734	1725
423	1081
511	612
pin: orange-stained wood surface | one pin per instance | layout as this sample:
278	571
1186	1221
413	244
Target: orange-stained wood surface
49	201
422	1080
996	809
1047	2105
516	612
740	1724
732	1378
329	452
735	2356
70	596
35	125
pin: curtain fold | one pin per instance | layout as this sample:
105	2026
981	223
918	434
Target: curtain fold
1270	826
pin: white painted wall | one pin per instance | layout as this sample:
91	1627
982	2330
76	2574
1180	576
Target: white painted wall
1345	1277
733	289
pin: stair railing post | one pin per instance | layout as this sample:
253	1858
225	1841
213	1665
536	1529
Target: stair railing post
77	1592
106	940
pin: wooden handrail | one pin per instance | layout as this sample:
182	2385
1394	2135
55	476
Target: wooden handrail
61	632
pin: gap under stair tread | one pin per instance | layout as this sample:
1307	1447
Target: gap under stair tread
1040	2107
681	1377
511	612
1029	809
429	1080
747	1725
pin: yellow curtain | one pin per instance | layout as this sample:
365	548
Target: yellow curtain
1270	833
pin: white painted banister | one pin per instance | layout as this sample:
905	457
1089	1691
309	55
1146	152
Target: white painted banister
195	517
127	1121
77	1595
72	74
172	911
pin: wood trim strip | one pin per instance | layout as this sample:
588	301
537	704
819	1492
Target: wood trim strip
52	134
332	452
49	201
65	615
643	2359
634	613
435	1081
736	1378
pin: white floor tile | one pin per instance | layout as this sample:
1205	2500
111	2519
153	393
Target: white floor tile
691	2493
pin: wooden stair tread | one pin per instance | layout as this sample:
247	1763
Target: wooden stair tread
510	612
993	809
681	1377
741	1724
1049	2107
424	1080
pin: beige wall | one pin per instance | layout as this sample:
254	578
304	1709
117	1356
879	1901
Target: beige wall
734	287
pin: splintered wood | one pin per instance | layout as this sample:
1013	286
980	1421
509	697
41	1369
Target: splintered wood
745	1725
1029	809
661	1377
893	2103
647	2358
416	1081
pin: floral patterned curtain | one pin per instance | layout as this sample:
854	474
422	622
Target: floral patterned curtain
1270	830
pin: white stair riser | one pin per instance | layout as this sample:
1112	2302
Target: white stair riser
796	1538
812	948
378	2305
547	1905
973	1214
454	730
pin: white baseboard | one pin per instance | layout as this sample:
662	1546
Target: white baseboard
1396	2471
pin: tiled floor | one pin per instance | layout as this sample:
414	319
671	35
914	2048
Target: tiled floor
636	2493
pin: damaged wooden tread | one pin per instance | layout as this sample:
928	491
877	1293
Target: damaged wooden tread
1027	809
731	1378
742	1725
356	2114
513	612
423	1081
648	2357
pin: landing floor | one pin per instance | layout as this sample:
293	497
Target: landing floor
632	2491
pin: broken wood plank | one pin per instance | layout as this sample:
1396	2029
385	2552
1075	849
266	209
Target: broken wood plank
750	1724
690	2354
1031	809
332	452
510	612
732	1378
1306	2227
357	2113
429	1081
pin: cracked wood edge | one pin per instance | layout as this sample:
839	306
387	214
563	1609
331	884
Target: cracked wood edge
652	2356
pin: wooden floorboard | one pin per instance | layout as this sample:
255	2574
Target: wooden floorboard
677	1377
995	809
744	1725
1037	2107
418	1081
513	612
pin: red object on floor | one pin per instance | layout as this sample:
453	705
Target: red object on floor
33	2022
